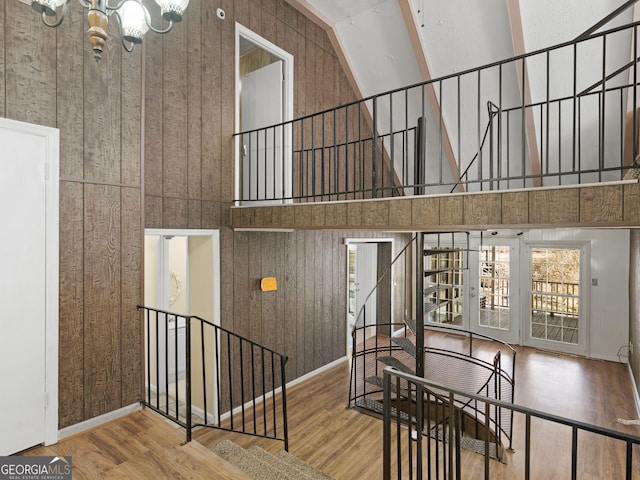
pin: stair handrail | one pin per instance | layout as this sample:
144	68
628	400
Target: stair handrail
390	373
601	23
264	397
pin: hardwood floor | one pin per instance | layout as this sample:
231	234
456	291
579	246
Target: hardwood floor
348	445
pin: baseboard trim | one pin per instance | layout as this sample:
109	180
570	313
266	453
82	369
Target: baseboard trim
636	397
107	417
317	371
97	421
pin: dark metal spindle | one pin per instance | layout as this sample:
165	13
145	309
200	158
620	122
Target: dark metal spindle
242	386
230	378
188	376
204	371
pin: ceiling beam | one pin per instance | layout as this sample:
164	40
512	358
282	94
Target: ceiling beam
517	38
317	17
413	30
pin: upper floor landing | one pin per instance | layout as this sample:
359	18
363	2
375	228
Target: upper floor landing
603	205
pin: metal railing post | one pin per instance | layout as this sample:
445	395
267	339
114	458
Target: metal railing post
386	426
188	374
285	426
374	150
419	172
420	304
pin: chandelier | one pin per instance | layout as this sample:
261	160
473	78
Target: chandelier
133	18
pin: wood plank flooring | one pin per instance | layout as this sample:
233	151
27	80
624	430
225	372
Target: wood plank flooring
139	446
348	445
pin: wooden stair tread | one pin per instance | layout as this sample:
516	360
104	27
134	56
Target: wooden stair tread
262	465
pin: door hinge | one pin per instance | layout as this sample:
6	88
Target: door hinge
46	399
244	150
46	171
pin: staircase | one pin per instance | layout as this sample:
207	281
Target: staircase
262	465
438	409
408	347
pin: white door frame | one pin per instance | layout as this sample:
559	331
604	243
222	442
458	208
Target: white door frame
215	240
513	334
51	137
287	59
585	301
350	320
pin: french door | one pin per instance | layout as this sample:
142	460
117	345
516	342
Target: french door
494	288
556	315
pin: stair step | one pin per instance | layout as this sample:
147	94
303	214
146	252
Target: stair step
375	406
411	324
428	273
433	289
260	465
406	344
301	465
436	251
379	382
284	469
467	443
430	307
395	363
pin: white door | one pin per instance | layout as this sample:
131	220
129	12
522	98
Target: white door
494	288
366	277
262	153
24	345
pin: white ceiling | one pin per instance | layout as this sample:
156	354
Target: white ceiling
457	34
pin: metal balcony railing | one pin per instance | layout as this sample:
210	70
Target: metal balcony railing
563	115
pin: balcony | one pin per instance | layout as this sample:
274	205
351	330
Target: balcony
466	151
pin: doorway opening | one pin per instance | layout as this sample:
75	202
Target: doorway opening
264	100
182	276
494	292
369	289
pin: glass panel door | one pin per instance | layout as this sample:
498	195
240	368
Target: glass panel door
556	318
555	294
494	289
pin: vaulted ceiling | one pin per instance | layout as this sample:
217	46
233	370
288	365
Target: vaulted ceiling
388	44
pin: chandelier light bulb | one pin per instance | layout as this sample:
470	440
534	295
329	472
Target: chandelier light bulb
134	21
132	16
172	10
47	6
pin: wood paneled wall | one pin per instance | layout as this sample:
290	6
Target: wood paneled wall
48	76
306	317
189	173
167	112
190	103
